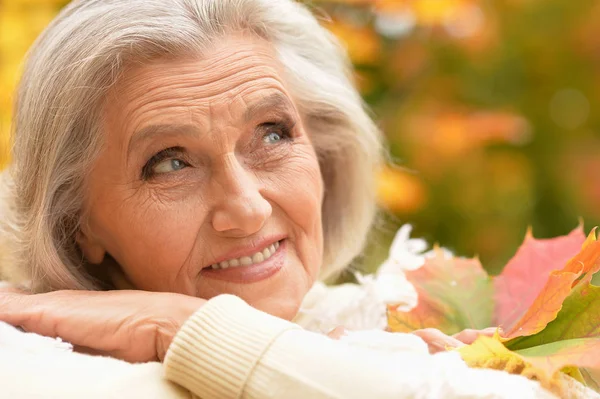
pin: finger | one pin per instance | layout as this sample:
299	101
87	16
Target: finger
34	313
337	333
490	331
88	351
444	345
469	336
13	307
437	340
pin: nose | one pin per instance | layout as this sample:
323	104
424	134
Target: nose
240	209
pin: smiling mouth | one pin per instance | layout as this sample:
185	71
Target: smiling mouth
253	259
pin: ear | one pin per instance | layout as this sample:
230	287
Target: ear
92	249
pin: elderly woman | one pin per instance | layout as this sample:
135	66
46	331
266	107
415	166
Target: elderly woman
214	157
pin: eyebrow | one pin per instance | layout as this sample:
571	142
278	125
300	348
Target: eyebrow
272	102
151	131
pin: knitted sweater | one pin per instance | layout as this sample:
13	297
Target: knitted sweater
228	349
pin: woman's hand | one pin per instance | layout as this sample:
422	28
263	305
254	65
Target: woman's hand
437	341
136	326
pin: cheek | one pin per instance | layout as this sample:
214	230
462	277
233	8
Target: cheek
297	189
300	188
151	239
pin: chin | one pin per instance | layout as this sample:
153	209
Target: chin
283	304
286	311
280	295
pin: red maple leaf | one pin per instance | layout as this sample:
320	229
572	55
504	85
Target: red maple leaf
528	272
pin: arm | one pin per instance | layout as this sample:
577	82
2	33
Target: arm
227	349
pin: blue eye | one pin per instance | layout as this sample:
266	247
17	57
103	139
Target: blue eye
169	165
272	137
165	161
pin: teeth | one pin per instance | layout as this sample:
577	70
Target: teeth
245	261
248	260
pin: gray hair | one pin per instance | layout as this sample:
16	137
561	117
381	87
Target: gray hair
79	57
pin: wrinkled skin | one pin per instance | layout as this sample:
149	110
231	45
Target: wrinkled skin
228	188
201	156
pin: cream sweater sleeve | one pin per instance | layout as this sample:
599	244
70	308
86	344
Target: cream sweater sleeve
231	350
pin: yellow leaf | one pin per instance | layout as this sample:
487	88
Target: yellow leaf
548	364
490	353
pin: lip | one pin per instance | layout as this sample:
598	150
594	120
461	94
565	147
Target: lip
253	273
248	250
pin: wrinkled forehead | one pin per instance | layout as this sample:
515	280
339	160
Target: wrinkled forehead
228	81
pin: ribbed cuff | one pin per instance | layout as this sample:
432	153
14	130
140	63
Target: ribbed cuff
216	350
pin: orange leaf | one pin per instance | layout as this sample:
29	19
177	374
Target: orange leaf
525	275
531	317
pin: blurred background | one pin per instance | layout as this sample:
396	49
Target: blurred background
487	105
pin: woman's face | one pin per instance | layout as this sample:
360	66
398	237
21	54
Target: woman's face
208	182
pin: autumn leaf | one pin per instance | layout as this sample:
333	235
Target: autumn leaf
541	363
454	294
490	353
579	316
558	287
556	356
527	273
591	378
596	279
556	325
